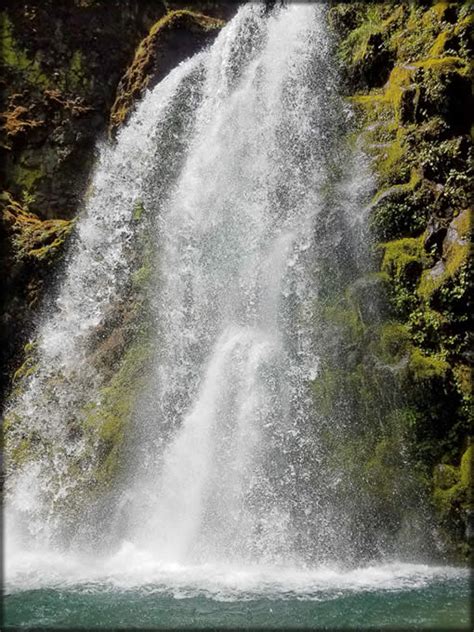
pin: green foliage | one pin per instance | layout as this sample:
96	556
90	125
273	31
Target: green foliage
406	70
424	366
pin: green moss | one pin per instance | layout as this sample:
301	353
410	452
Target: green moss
26	369
344	316
462	224
445	476
389	164
425	367
53	239
452	494
438	64
447	501
466	20
21	452
402	210
383	470
394	341
19	447
326	388
33	238
453	486
141	277
467	462
30	346
354	47
457	252
107	420
413	106
403	258
431	280
15	58
30	362
439	46
76	74
138	211
26	177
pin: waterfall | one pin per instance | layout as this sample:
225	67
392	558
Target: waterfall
236	235
237	162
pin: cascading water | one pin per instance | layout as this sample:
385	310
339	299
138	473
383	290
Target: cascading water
237	161
236	234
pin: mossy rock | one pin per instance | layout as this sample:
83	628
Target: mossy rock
456	253
366	297
445	476
107	420
452	493
366	49
414	118
31	237
16	58
404	259
170	40
467	463
403	210
427	367
384	469
394	341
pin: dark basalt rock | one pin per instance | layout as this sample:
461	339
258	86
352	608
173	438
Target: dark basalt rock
435	233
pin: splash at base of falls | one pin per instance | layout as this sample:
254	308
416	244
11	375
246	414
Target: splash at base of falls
131	567
130	589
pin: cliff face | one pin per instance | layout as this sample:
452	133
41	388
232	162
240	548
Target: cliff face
406	71
71	71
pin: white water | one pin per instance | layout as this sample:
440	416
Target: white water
230	155
132	568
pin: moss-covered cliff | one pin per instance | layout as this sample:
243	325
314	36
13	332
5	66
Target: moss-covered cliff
406	69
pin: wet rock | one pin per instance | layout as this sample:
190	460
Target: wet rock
172	39
469	530
435	233
408	105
